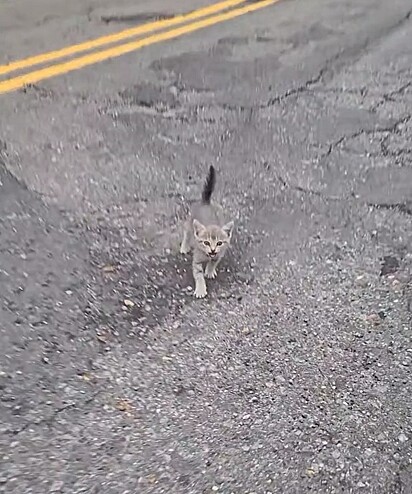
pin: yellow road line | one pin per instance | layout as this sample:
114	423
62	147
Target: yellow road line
116	37
100	56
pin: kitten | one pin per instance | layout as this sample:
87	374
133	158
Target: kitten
208	235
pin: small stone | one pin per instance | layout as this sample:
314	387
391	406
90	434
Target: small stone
373	319
403	438
313	470
109	268
151	478
362	281
57	486
128	303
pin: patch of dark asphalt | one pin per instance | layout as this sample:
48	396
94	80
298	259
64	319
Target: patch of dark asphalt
148	95
136	18
43	276
390	265
233	40
137	291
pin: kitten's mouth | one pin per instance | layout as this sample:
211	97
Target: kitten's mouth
212	254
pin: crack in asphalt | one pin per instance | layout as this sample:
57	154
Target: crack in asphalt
389	96
390	129
52	417
344	56
403	207
304	190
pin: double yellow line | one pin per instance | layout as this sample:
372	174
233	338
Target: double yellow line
198	19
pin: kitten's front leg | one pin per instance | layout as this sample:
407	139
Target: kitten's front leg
200	283
211	269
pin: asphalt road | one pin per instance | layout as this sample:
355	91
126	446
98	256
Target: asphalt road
294	375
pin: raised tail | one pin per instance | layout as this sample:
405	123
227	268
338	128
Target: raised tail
209	185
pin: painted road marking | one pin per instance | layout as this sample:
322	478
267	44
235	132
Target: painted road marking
116	51
116	37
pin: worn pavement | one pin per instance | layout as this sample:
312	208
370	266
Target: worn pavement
294	375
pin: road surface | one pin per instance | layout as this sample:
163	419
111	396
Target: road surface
294	375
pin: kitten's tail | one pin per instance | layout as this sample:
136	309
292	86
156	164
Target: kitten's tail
209	185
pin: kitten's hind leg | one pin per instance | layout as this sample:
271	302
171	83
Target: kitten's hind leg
200	283
185	245
211	269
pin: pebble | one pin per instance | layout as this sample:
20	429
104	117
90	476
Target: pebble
57	486
362	281
403	438
373	319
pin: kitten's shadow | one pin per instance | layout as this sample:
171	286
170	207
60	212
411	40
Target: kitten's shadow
163	285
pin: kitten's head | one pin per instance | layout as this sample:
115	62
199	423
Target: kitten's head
212	240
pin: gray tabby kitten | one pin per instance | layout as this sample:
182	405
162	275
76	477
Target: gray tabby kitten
207	233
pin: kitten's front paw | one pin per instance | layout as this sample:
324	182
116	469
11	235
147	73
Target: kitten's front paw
200	291
210	273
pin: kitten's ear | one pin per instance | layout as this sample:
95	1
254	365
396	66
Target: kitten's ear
228	228
198	228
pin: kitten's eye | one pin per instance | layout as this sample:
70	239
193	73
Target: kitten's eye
219	243
207	243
